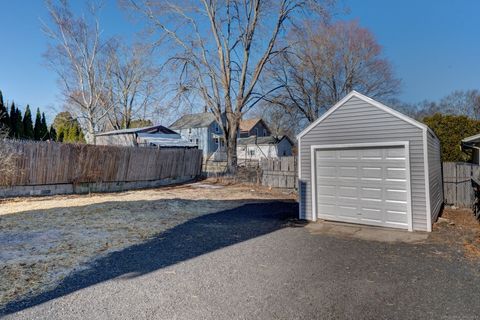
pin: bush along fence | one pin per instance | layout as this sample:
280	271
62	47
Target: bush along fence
42	168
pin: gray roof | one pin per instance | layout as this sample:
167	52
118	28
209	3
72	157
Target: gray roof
152	129
196	120
261	140
472	139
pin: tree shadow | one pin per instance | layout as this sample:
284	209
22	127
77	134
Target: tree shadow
185	241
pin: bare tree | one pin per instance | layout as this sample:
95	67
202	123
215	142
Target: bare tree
134	86
325	62
77	55
224	62
461	103
8	155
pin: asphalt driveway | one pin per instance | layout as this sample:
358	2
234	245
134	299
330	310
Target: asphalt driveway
253	262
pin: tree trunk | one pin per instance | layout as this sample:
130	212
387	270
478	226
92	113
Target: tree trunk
231	146
91	129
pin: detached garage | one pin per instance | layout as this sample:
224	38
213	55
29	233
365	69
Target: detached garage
363	162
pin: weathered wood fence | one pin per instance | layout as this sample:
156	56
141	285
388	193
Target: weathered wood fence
457	183
279	173
47	163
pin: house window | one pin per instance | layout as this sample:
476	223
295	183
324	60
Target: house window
196	142
256	132
217	128
251	152
216	140
189	130
264	132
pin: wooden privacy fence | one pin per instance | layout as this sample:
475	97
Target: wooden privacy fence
44	163
457	183
279	173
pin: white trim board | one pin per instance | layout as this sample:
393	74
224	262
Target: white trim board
367	100
313	176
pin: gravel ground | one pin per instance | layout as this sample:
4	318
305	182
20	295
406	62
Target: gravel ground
243	259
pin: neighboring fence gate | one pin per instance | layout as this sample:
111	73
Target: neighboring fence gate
280	173
457	183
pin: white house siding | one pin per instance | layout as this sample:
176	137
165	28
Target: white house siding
127	139
435	175
261	151
358	121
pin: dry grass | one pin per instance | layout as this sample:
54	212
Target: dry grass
458	227
43	239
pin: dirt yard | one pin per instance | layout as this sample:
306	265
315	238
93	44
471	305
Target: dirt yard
43	239
458	228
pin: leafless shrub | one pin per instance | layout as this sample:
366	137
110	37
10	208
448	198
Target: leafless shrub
8	158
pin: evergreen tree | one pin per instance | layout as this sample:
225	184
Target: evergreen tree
53	133
12	121
44	128
18	124
28	132
37	130
60	134
67	128
4	123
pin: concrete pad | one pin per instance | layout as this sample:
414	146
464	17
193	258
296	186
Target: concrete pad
368	233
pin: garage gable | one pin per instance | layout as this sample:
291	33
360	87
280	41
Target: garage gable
355	94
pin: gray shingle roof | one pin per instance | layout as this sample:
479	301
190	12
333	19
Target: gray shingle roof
196	120
259	140
152	129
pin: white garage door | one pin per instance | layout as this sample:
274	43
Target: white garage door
362	185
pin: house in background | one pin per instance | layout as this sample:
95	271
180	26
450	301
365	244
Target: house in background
202	130
256	148
254	138
473	143
154	136
253	127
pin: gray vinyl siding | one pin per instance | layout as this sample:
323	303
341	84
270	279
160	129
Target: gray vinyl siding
357	121
435	175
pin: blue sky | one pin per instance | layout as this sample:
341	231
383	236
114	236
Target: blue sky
434	46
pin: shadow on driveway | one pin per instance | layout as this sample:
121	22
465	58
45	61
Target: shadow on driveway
188	240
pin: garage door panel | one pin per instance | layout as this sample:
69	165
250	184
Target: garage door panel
371	154
349	154
371	193
372	214
328	190
347	201
327	155
328	210
326	172
394	153
372	173
347	211
396	216
347	191
347	172
363	185
396	173
396	194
